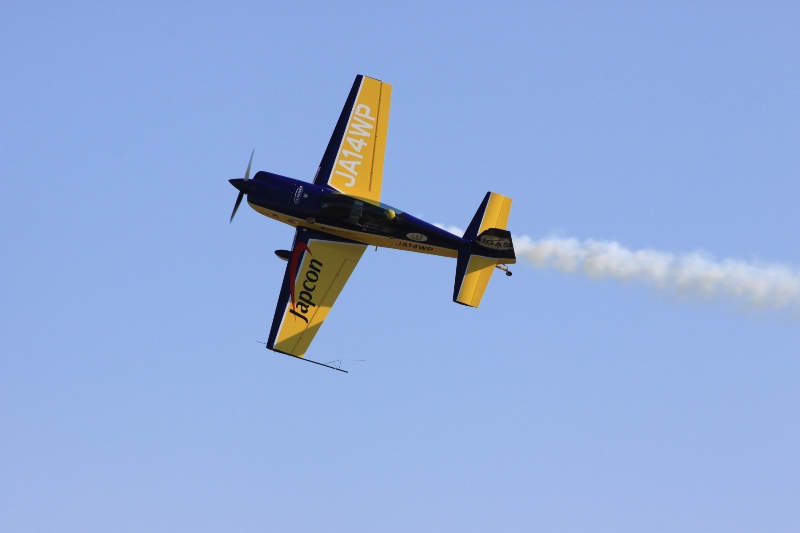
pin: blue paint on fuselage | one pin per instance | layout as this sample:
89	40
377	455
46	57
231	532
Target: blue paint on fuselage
303	200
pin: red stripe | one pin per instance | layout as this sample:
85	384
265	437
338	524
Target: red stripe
299	248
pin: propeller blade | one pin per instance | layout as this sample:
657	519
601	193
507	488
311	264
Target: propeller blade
247	174
243	189
236	207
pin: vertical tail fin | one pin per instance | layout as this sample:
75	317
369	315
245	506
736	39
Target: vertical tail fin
493	213
490	244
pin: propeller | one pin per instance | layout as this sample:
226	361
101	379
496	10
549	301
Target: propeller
243	189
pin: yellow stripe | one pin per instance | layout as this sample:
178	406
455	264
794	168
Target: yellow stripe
502	219
376	178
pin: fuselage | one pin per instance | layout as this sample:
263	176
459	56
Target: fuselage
302	204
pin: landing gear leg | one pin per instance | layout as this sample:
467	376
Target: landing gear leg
504	269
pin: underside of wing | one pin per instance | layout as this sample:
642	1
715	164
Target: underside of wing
353	161
317	270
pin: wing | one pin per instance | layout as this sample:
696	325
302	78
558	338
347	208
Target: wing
353	161
318	268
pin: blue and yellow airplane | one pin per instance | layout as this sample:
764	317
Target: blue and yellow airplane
339	214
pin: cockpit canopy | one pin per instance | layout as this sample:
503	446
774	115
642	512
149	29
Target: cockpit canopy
376	217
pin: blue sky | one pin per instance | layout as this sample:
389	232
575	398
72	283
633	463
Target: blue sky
133	394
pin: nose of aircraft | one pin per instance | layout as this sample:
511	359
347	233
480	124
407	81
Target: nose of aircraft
240	184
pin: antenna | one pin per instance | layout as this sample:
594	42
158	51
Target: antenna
339	366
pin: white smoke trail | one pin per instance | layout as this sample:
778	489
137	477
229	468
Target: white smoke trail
696	274
455	230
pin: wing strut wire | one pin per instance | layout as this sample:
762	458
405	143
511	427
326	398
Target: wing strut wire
309	360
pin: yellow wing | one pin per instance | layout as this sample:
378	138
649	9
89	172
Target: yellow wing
353	161
318	268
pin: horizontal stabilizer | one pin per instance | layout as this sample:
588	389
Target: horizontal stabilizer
473	273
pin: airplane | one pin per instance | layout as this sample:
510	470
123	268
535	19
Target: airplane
339	214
